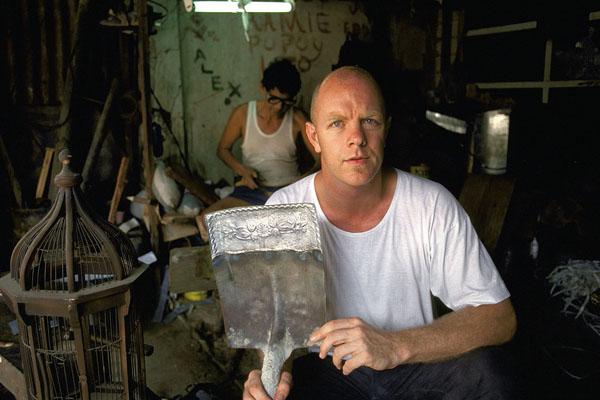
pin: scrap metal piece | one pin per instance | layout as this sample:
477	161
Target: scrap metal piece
269	270
447	122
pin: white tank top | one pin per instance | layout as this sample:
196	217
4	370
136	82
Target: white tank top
273	156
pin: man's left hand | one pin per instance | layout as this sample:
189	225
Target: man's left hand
359	344
254	390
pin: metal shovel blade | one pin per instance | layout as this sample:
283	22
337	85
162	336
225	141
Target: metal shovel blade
268	265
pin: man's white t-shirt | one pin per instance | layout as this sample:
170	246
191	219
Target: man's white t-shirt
424	243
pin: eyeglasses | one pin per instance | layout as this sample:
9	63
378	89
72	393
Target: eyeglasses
272	99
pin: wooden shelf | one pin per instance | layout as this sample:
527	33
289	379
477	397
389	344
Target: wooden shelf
538	84
546	84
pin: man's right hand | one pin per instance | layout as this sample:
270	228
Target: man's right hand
254	390
248	175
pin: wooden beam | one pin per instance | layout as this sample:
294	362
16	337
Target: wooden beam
547	70
119	187
538	84
171	232
43	178
176	218
502	29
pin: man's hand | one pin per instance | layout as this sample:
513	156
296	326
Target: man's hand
254	390
359	344
248	175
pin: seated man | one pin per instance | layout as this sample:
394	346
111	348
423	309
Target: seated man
389	240
269	130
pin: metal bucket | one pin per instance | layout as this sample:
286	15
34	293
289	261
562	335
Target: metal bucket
491	140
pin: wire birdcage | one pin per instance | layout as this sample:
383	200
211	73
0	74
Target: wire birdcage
70	287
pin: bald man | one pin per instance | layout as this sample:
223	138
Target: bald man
390	240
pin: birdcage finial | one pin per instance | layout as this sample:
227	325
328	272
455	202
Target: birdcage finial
64	156
66	178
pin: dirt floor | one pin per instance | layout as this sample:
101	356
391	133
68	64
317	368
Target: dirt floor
191	357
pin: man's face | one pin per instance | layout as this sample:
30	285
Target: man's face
280	101
348	128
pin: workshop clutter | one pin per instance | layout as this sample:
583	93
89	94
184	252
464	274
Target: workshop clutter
183	259
180	196
190	205
164	188
577	282
186	293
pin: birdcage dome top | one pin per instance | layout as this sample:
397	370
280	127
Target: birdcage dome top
71	249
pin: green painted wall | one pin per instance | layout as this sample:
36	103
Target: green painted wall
202	66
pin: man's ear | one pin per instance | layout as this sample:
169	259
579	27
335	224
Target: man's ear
311	134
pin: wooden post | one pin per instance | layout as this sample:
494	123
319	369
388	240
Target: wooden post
119	186
26	56
43	64
64	134
99	136
445	56
57	81
10	173
41	185
145	126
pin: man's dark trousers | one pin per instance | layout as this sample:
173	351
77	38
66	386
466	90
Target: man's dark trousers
485	373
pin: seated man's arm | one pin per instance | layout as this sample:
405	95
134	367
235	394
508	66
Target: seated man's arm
449	336
233	131
459	332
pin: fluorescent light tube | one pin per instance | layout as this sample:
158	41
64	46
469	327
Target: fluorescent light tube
233	7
